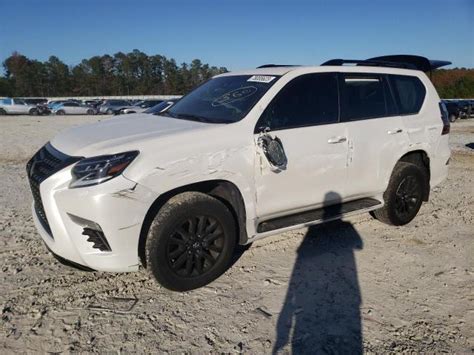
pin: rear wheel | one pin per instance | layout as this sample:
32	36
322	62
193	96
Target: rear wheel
109	112
2	112
60	112
90	112
403	196
33	112
452	117
190	242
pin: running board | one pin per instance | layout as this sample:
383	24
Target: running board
319	215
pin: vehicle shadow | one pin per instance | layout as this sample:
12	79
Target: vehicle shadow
470	145
321	312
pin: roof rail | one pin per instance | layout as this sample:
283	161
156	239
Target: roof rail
372	63
395	61
276	65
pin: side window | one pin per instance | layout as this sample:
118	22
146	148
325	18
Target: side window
307	100
362	96
7	101
409	93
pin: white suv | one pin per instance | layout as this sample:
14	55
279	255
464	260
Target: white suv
243	156
9	106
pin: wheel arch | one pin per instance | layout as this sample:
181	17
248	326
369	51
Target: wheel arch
420	158
225	191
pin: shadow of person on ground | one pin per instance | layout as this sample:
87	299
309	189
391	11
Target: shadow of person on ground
321	312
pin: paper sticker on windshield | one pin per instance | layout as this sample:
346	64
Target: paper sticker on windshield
262	79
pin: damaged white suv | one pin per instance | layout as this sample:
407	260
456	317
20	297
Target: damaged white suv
243	156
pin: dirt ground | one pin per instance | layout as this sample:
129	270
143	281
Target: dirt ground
336	288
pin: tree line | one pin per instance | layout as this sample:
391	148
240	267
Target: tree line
137	73
134	73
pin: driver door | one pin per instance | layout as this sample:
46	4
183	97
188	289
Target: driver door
304	116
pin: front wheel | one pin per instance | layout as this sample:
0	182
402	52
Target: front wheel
60	113
90	112
452	118
33	112
190	242
109	112
403	196
2	112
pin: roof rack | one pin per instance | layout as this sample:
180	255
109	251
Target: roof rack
395	61
276	65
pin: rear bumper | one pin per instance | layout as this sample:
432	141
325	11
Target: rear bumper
118	206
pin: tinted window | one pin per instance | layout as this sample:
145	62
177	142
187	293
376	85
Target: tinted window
362	96
409	93
224	99
308	100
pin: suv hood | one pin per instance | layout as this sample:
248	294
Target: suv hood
115	135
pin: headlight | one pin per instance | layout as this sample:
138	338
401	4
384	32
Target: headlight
96	170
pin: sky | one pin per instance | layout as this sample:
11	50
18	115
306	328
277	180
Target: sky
239	34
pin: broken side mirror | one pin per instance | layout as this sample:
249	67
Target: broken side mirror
274	152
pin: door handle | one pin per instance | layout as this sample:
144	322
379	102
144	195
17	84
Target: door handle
335	140
396	131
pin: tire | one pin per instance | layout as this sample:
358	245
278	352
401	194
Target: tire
404	195
109	112
191	241
90	112
452	118
2	112
60	113
33	112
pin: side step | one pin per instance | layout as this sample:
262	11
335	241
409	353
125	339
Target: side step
319	214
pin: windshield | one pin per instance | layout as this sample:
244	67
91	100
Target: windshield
222	100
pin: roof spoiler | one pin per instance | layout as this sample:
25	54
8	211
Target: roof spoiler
395	61
420	63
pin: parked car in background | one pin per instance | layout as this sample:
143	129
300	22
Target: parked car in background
9	106
454	111
43	109
466	108
53	103
109	107
140	106
161	107
73	108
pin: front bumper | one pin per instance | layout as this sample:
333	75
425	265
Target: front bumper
118	206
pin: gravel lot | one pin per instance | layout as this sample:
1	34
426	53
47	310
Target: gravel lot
333	288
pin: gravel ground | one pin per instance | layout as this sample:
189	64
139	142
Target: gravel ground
336	288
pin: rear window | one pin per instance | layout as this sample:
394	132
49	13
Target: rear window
409	93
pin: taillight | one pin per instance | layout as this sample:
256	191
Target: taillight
444	118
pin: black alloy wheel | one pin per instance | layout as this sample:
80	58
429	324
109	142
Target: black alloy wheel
195	246
407	197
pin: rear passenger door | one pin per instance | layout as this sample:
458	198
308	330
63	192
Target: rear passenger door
376	135
304	116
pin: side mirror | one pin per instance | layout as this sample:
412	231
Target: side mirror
274	152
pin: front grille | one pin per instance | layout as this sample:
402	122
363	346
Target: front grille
45	163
